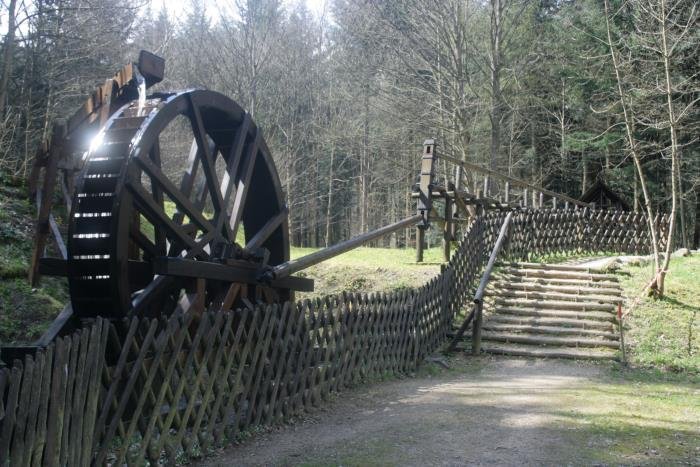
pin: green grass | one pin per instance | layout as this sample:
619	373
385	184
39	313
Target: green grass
370	270
634	417
665	333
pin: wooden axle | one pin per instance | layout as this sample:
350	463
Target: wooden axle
290	267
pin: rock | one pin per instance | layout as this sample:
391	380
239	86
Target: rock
681	252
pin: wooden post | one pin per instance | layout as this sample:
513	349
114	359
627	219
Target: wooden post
507	192
425	194
447	231
541	200
476	332
534	200
46	200
554	203
420	241
525	196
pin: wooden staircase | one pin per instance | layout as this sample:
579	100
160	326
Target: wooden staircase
549	310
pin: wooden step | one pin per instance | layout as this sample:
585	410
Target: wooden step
567	297
547	274
554	267
553	281
549	352
540	339
578	324
587	315
553	304
545	287
494	327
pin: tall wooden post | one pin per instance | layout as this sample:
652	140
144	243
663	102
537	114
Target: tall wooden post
525	195
420	242
425	189
46	200
507	193
447	231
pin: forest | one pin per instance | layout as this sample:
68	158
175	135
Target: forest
559	93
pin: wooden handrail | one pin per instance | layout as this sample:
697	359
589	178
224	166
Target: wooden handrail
513	181
479	295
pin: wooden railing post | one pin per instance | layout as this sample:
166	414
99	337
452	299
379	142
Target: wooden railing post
476	334
475	315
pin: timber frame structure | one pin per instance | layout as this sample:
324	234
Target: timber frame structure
462	205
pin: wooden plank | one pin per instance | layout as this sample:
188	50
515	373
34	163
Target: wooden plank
17	447
8	423
96	351
57	405
45	392
34	406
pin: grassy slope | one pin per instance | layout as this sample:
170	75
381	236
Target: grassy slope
24	312
370	270
665	333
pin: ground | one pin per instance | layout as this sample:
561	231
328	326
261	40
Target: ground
499	411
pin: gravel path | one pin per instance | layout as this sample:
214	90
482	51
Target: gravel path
496	411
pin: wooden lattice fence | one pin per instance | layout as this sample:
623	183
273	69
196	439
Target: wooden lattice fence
165	390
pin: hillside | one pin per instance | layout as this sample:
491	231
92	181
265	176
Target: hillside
24	312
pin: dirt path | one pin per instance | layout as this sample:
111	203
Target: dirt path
496	411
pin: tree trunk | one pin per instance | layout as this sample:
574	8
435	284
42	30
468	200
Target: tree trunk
496	96
661	276
7	55
329	205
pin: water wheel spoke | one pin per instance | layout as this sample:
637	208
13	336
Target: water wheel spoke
266	230
149	248
233	162
243	185
155	214
158	233
187	182
207	158
184	205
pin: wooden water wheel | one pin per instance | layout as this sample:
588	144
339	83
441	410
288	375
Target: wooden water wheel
144	222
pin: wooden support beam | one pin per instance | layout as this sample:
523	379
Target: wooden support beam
45	201
234	271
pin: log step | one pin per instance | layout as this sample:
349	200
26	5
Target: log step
564	289
494	327
543	340
543	273
565	297
579	324
553	267
587	315
554	281
554	304
546	352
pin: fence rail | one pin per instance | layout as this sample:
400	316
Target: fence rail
169	389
